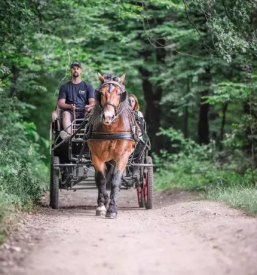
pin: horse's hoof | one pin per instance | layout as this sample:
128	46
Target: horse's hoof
100	211
106	204
111	215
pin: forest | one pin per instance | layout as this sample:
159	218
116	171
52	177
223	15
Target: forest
192	64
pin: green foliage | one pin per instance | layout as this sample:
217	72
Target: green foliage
231	24
238	196
229	91
23	175
179	45
189	166
195	167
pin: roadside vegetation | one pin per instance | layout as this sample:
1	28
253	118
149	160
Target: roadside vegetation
191	63
218	175
23	174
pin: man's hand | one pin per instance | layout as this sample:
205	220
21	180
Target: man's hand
88	108
91	105
64	106
72	107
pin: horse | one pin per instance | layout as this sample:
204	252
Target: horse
111	141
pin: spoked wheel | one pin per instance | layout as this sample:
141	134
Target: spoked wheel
140	196
54	184
148	185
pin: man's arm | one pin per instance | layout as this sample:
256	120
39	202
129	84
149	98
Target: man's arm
62	105
91	98
62	99
91	104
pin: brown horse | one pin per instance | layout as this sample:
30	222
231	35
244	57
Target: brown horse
111	140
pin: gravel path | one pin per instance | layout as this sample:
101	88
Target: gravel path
182	235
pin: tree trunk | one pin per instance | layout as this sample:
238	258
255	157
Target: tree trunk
186	113
153	94
13	89
152	109
223	123
186	122
203	122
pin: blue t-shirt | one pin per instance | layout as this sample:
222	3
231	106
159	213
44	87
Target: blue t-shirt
77	94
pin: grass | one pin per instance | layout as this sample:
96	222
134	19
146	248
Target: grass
20	188
225	186
6	208
240	197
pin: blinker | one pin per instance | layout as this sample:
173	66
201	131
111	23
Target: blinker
110	88
116	79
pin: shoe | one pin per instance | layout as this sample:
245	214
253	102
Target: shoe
66	178
64	135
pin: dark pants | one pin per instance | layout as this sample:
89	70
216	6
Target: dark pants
79	115
138	158
139	151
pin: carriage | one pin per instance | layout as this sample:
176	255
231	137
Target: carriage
72	167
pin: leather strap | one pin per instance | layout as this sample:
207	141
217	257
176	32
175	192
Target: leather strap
111	136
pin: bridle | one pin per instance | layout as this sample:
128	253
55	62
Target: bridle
122	93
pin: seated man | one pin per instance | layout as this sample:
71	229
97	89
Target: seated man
75	96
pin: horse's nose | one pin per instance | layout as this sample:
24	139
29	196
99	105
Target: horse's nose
107	118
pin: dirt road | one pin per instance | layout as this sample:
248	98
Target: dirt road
182	235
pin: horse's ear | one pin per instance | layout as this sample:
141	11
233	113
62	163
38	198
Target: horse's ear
122	78
100	77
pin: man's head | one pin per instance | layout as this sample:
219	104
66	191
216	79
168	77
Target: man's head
76	69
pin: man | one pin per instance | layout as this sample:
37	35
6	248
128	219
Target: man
75	95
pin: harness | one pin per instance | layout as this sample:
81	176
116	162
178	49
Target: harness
123	95
112	136
117	111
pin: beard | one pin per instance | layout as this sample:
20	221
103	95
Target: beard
75	75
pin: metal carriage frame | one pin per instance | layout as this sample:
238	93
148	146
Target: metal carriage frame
72	168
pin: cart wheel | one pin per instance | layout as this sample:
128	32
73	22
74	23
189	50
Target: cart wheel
148	185
54	184
140	196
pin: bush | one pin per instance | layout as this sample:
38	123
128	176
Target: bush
195	167
23	175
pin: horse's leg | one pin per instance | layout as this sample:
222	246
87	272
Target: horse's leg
110	169
115	186
100	179
101	199
109	172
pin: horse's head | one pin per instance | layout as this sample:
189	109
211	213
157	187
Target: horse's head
110	94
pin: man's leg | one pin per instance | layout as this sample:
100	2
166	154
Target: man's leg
54	116
66	121
138	158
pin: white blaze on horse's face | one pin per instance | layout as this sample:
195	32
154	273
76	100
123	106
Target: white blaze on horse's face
110	99
108	117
